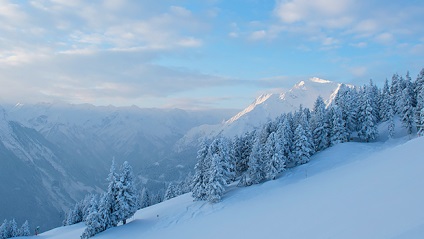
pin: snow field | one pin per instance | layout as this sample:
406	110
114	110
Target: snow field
352	190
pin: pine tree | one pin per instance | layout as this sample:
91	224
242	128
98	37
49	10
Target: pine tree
127	194
302	148
319	126
406	108
200	177
216	185
385	103
242	149
13	228
4	229
94	222
108	203
25	231
145	198
368	124
338	131
275	160
255	173
170	191
286	138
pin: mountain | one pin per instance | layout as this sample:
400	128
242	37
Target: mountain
51	155
36	183
351	190
265	108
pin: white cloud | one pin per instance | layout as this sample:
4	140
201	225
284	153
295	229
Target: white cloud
359	71
258	35
385	38
325	12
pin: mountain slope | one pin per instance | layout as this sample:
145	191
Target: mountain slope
265	108
352	190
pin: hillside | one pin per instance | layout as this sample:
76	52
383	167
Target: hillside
352	190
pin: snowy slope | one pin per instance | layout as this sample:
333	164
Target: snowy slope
54	154
352	190
265	108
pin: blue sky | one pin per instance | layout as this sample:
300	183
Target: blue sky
196	54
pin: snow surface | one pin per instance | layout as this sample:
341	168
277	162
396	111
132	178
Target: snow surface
352	190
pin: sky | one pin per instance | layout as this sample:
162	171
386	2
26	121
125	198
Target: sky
199	54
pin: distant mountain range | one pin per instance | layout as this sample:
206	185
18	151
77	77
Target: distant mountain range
265	108
53	154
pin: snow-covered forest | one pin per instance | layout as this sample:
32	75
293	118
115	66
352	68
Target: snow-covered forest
293	138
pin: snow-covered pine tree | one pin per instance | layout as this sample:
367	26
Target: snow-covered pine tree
145	198
127	194
319	126
308	132
242	149
94	221
216	186
108	207
406	108
25	230
4	229
69	220
13	228
385	102
368	124
255	173
200	177
338	131
275	159
396	91
170	191
301	148
286	138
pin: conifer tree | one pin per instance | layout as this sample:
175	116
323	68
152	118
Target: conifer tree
216	184
385	102
319	126
275	160
170	191
368	124
302	148
145	198
25	231
13	228
407	110
338	131
255	173
200	177
127	194
4	229
94	221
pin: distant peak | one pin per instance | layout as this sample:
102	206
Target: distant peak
318	80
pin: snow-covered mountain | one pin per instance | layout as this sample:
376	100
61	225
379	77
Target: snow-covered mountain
265	108
37	180
351	190
54	154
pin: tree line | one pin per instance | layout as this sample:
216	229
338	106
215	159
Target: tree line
292	138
